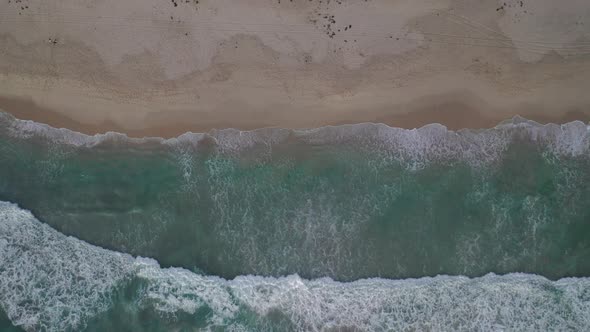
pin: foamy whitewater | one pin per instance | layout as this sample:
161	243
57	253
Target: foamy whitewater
350	228
52	282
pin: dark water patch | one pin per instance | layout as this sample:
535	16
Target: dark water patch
6	325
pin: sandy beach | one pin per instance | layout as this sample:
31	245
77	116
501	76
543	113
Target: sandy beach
161	68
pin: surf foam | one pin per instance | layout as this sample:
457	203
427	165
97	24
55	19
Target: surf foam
49	281
416	147
52	282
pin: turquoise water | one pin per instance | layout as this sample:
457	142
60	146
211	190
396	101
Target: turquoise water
362	227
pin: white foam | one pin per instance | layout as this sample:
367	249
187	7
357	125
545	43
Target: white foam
235	141
52	282
49	281
176	289
517	302
415	147
434	142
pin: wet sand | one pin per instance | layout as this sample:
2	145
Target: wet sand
453	115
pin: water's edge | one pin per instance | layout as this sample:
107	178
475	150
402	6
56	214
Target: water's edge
64	135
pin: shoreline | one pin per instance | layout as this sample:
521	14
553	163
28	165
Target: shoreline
453	115
156	69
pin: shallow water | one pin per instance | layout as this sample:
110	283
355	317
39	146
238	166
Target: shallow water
340	204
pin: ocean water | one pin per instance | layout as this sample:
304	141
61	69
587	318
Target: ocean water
350	228
55	282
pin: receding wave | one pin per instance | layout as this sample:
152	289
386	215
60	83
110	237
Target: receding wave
52	282
344	202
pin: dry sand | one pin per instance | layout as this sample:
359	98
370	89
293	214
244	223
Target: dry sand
155	67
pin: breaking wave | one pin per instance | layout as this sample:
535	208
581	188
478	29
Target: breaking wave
52	282
416	146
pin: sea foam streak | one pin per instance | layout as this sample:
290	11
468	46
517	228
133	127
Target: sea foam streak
52	282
